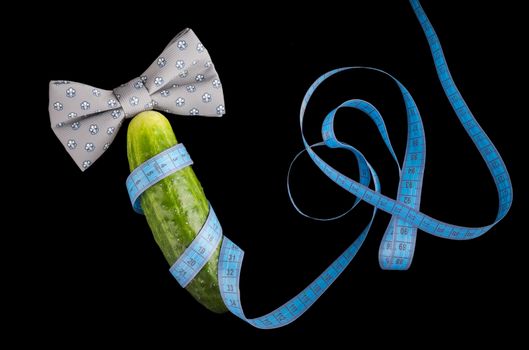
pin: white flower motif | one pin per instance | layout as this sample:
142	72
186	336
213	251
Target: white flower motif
164	93
161	62
105	147
208	64
89	147
76	125
134	101
85	105
116	114
220	109
191	88
199	77
183	74
57	106
138	84
216	83
60	124
93	129
71	144
149	105
200	47
86	164
112	103
70	92
194	62
194	111
72	115
182	45
96	92
110	130
180	64
180	101
143	78
206	98
158	81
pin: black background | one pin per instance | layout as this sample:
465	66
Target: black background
93	270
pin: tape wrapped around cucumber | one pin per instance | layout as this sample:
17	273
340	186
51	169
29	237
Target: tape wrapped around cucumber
175	207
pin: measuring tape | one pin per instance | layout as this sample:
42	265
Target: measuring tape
153	170
398	243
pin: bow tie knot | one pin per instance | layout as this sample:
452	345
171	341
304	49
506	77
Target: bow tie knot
134	97
182	80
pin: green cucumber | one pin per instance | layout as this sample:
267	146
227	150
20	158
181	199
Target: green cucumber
175	207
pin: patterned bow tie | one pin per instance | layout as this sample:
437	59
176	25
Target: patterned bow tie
181	81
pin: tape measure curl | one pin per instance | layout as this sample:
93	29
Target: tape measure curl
398	243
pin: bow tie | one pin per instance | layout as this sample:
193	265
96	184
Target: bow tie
182	81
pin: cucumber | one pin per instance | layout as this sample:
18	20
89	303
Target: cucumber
175	207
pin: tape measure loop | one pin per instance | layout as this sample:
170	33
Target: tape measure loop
398	243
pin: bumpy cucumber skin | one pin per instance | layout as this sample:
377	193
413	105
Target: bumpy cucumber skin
175	207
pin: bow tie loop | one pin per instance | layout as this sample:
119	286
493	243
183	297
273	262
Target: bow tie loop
182	80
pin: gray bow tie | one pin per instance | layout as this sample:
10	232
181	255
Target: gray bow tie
181	81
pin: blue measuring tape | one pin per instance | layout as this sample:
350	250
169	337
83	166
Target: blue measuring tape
398	243
153	170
